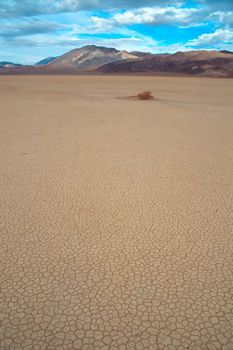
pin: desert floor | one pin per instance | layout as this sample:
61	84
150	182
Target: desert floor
116	215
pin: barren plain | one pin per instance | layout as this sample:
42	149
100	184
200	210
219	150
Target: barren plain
116	214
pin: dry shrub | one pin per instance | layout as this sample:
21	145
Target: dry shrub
145	95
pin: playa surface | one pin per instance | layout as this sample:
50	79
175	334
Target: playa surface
116	214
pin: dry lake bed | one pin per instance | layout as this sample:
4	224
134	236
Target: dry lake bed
116	221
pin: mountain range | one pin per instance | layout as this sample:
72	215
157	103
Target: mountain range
97	59
6	64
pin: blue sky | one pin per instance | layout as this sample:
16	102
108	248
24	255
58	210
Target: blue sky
31	30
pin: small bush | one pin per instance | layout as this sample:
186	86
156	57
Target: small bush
145	95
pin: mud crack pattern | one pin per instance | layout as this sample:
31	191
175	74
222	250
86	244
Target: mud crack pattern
116	215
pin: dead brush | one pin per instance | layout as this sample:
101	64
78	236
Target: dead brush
145	95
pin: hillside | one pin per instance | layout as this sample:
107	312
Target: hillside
45	61
5	64
101	60
204	63
91	57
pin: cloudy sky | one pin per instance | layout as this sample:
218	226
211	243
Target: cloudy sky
34	29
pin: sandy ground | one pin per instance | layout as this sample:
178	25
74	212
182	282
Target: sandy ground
116	215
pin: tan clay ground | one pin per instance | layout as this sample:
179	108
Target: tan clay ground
116	214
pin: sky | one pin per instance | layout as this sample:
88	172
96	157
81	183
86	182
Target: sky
31	30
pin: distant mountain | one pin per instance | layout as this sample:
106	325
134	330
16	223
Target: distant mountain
6	64
90	57
227	52
45	61
101	60
202	63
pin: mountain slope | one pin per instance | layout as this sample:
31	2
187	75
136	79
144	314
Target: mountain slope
6	64
90	57
109	60
45	61
206	63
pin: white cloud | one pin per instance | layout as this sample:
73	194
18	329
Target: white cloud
158	16
215	39
17	8
28	27
54	34
153	16
223	18
218	4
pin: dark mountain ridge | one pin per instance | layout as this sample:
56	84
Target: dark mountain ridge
98	59
6	64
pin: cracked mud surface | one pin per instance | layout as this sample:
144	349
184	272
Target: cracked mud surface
116	216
